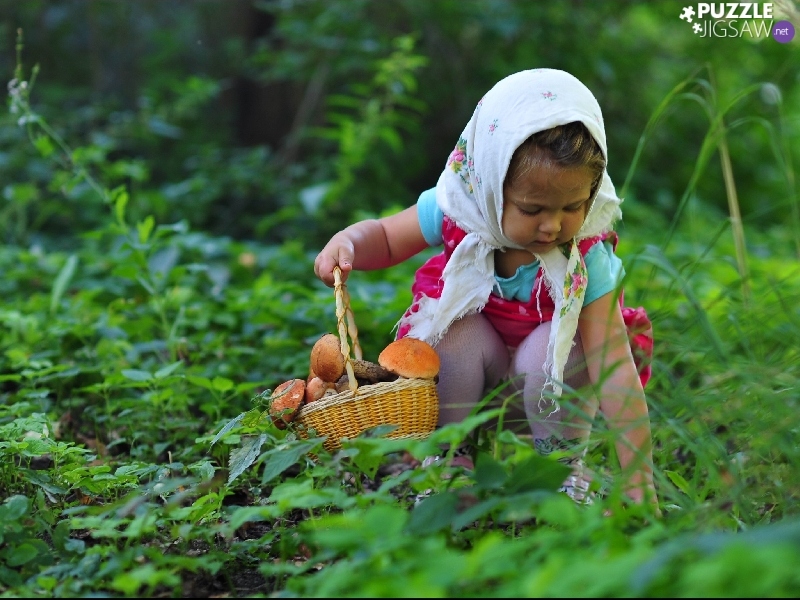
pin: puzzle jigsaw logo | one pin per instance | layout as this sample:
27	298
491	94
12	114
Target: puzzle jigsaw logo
736	19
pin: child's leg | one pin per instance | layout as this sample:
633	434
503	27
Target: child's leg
568	428
573	420
473	360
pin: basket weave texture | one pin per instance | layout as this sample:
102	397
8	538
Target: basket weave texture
411	404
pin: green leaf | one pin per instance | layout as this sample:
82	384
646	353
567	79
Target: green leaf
203	382
168	370
284	456
242	458
9	578
63	542
489	474
254	417
453	434
21	193
204	469
560	510
391	137
678	480
22	554
228	426
434	513
131	582
126	270
368	458
522	507
62	281
163	262
44	145
14	508
146	285
537	473
378	431
137	374
222	384
476	512
121	201
247	386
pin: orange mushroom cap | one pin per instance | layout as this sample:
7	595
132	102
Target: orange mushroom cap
287	399
411	358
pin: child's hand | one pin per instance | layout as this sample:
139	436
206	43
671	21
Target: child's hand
374	243
338	251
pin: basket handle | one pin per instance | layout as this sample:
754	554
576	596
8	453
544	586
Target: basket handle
346	324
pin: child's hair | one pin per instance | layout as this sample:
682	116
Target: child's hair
569	145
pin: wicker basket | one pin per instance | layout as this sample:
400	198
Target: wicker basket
411	404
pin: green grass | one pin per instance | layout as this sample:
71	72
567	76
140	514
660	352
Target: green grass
112	485
123	358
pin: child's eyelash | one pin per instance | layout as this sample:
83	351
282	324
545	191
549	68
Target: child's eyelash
535	212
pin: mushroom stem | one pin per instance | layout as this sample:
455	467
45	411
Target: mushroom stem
365	369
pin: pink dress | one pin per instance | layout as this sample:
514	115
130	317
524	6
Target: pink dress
514	319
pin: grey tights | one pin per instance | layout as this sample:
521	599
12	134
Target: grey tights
474	360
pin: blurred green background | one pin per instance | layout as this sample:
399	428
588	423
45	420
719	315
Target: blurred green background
281	120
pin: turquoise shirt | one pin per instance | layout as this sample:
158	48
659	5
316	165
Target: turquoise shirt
604	267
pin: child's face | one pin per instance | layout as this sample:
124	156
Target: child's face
547	206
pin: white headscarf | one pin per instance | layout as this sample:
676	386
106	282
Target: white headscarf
470	192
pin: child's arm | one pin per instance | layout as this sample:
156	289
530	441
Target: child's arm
622	400
371	244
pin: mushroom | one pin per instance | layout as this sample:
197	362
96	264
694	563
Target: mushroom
310	375
316	389
286	401
411	358
327	363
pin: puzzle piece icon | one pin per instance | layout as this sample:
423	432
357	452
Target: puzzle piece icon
687	14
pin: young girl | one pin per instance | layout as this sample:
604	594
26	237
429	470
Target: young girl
526	289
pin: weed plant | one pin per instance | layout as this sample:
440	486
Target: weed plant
134	459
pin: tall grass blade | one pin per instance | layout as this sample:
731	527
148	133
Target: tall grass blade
733	205
714	140
794	197
651	124
736	218
655	257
